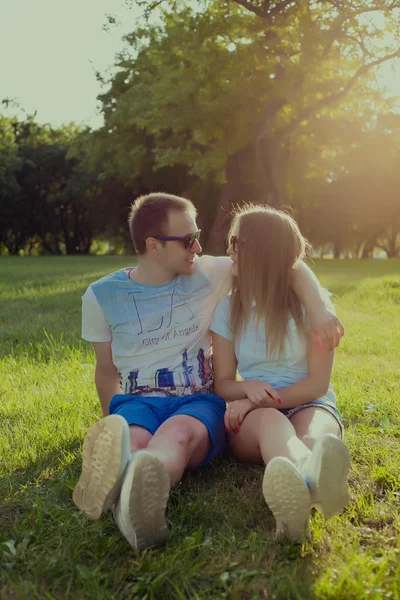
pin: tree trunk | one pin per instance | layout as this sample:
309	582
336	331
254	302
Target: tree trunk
367	250
392	249
357	249
249	178
337	247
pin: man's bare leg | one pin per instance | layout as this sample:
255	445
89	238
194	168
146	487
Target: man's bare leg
139	438
181	442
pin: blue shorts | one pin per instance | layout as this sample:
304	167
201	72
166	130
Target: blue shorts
152	411
319	403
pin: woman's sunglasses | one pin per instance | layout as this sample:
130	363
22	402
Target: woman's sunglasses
187	240
234	242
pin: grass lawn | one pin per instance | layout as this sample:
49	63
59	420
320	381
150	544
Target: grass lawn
221	533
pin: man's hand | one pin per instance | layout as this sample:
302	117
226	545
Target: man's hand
259	392
327	328
235	413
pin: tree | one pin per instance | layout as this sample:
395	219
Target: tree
47	199
342	180
12	233
227	89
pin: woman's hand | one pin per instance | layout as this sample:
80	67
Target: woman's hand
235	413
259	392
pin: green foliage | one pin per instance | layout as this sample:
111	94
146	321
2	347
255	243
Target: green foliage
350	196
224	102
47	199
267	98
203	81
9	187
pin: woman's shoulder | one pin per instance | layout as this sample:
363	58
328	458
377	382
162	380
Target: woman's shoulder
223	305
220	320
221	312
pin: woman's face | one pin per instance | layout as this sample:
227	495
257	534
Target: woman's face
232	250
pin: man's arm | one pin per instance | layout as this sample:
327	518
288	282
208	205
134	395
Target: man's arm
323	322
106	376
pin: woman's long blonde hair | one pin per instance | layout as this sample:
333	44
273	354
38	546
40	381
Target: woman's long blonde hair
270	246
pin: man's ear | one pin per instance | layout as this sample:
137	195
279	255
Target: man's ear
152	245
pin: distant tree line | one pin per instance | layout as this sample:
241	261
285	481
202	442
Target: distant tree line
232	101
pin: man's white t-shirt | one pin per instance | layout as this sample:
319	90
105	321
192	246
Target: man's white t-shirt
160	334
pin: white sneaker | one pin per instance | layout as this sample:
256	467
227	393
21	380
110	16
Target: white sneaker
288	497
140	512
105	455
326	472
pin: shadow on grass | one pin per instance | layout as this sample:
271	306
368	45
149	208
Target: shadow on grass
221	537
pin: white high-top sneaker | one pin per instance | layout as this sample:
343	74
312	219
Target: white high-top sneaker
325	472
105	456
287	495
140	512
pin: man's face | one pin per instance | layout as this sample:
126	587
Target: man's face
174	256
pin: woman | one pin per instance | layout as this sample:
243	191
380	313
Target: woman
283	412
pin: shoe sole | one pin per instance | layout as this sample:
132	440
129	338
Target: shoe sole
330	487
288	497
100	481
145	491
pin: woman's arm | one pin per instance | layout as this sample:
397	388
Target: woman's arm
324	324
316	384
225	364
225	384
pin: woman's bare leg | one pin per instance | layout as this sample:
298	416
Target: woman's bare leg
327	469
264	434
312	423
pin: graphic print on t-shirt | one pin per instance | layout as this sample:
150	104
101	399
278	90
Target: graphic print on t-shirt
160	337
178	381
177	310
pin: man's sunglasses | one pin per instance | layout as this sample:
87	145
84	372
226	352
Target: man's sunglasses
187	240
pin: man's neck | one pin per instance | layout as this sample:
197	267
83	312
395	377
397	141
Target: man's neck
150	274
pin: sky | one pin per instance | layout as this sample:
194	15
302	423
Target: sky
51	49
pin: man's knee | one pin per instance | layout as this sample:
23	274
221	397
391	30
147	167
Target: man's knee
187	436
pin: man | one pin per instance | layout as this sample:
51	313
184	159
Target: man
149	329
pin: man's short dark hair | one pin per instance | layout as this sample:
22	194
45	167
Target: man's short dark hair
149	216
